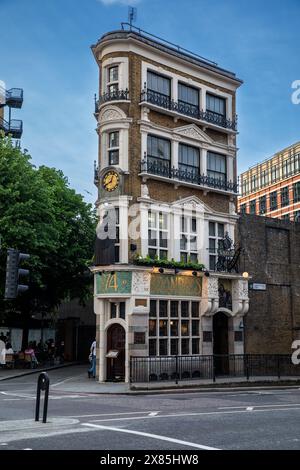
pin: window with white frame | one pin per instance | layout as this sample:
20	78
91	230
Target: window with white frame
216	166
216	105
157	235
113	148
174	328
113	79
188	240
216	234
159	151
158	84
188	97
189	159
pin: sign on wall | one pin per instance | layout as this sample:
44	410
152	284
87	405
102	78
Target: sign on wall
168	284
118	282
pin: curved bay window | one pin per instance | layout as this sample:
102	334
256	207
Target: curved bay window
174	328
189	160
159	151
113	148
113	79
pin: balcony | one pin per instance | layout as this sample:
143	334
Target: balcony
163	171
118	95
189	110
14	127
13	98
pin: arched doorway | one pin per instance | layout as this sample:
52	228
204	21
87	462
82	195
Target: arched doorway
116	342
220	343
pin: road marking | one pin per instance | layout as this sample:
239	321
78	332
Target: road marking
291	405
17	395
153	413
151	436
249	408
182	415
113	414
3	444
65	380
27	448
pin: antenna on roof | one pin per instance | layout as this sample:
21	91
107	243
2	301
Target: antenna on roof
132	14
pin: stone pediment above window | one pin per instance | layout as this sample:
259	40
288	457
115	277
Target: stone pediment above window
111	113
193	132
192	203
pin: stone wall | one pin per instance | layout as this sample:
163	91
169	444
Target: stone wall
272	257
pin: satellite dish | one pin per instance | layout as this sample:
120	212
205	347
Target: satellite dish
132	15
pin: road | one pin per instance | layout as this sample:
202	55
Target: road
266	419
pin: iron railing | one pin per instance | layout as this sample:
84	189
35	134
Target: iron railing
210	367
118	95
164	101
164	169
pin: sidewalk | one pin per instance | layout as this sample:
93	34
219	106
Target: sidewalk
77	381
7	374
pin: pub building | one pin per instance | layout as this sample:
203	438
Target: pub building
168	281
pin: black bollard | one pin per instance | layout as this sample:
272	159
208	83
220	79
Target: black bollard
43	384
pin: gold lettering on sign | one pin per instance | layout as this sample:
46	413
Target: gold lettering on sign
112	282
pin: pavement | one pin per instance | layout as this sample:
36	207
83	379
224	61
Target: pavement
78	382
191	421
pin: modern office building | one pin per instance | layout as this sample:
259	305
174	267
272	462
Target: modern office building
168	283
272	188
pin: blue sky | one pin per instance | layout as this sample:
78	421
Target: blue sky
45	49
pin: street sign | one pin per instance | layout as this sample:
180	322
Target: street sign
257	286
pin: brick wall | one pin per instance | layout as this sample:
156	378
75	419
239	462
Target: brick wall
272	257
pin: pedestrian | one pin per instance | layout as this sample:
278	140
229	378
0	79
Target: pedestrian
92	356
2	350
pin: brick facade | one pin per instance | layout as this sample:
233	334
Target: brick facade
272	257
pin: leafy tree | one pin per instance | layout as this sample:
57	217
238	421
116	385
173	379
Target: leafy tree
41	215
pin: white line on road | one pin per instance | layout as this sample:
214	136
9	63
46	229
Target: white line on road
113	414
65	380
249	408
290	405
182	415
151	436
153	413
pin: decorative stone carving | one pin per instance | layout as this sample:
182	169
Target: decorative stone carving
145	113
193	132
145	191
113	113
140	283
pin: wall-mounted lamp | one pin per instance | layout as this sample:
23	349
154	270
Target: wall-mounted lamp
206	274
161	270
194	273
245	275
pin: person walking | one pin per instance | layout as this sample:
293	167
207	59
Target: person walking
92	369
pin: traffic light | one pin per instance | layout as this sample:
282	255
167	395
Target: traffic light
13	274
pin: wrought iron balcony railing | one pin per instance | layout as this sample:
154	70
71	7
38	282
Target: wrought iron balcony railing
166	171
186	109
14	127
118	95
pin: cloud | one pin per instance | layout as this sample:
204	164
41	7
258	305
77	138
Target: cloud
121	2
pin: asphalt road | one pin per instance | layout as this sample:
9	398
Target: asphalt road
266	419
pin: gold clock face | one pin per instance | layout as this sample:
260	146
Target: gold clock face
110	181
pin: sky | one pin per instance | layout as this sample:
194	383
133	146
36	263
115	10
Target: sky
45	49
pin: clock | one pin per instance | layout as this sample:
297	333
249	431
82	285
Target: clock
110	181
